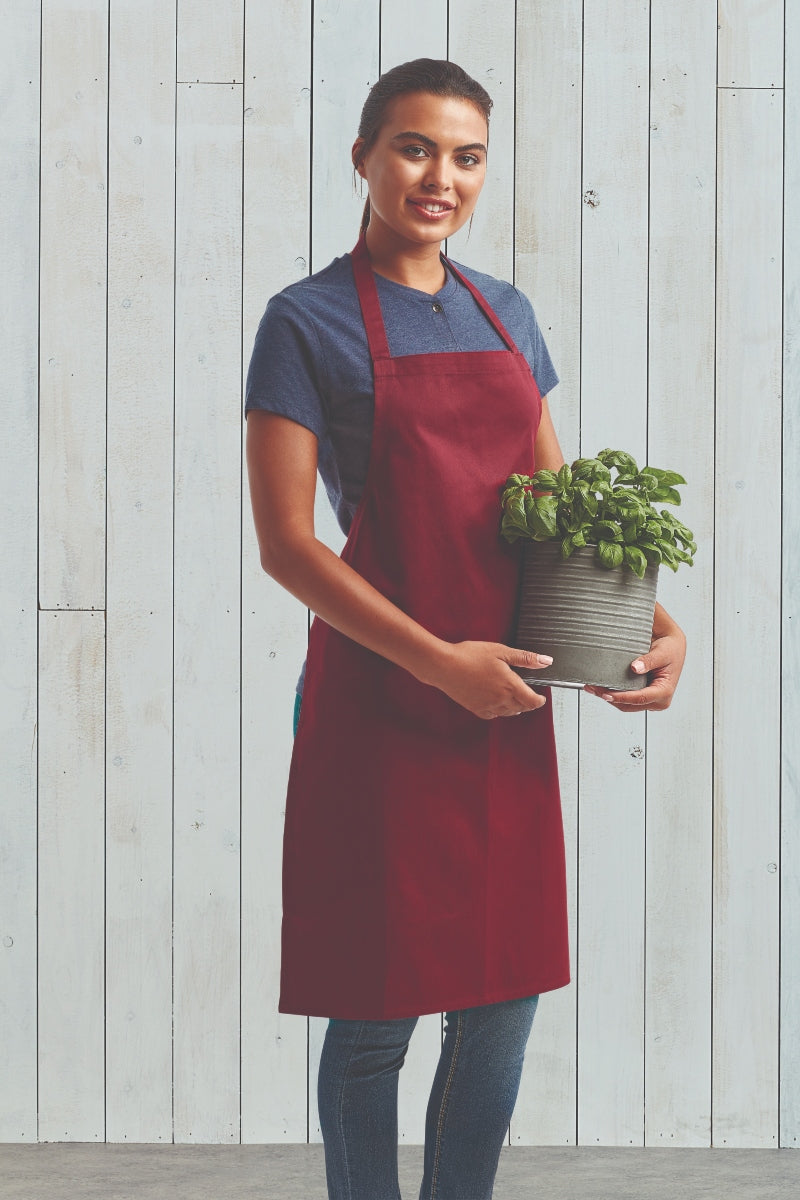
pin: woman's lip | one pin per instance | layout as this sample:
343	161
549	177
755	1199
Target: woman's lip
445	210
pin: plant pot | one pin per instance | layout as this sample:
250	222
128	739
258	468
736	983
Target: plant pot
593	621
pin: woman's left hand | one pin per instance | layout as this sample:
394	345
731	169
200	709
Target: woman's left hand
664	663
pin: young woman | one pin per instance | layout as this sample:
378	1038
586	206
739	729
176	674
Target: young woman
423	848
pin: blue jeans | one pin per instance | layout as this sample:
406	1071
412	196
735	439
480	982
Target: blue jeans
469	1109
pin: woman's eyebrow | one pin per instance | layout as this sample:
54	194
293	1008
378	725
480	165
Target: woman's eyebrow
426	141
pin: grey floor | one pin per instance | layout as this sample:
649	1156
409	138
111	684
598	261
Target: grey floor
80	1171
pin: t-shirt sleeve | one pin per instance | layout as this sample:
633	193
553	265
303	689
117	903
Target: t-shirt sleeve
286	373
536	351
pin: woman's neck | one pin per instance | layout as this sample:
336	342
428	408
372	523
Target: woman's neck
418	267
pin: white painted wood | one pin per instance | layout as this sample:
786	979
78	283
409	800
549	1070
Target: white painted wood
679	743
71	862
317	1027
210	41
747	617
19	249
790	756
412	29
346	48
207	614
481	40
547	255
613	413
141	270
751	42
274	624
74	105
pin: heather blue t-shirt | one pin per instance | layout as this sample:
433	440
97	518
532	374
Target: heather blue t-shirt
311	360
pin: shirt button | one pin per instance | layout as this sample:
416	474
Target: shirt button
437	307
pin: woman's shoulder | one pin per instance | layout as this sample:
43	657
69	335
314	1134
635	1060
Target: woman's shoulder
499	292
327	287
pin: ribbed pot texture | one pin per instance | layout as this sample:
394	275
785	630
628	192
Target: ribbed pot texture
594	622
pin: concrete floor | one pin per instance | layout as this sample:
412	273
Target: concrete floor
81	1171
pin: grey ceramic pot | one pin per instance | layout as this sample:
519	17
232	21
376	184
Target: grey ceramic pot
594	622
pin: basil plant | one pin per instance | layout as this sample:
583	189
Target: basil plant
605	502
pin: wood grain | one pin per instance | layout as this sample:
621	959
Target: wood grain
19	320
141	274
679	742
790	753
747	620
71	857
72	343
207	614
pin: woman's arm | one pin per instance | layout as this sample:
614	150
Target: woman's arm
282	468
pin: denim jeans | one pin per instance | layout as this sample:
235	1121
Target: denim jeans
469	1109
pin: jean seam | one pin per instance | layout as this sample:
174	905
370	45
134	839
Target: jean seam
340	1112
443	1106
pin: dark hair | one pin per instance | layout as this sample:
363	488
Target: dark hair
436	76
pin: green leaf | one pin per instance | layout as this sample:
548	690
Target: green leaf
545	481
646	481
635	560
565	478
611	554
619	459
606	531
630	533
670	478
665	495
542	518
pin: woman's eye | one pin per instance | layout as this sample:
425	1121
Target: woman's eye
469	160
415	151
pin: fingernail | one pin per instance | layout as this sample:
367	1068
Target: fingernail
638	666
609	696
544	660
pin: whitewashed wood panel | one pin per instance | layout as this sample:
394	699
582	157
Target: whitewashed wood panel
412	29
751	42
613	413
19	312
681	437
141	271
207	613
71	864
346	49
790	753
210	41
747	616
547	256
276	239
74	101
481	40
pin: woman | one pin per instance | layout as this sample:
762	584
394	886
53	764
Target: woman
423	849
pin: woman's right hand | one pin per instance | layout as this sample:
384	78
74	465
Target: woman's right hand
478	676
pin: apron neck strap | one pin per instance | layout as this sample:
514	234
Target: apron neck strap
371	305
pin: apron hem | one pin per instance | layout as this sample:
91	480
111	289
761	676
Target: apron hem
403	1013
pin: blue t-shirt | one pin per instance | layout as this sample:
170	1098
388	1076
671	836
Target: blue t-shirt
311	360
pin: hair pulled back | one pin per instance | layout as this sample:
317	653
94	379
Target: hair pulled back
436	76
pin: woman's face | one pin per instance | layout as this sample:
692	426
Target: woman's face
426	168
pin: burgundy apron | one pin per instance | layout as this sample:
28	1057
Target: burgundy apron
423	865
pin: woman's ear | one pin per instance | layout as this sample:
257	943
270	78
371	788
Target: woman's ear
357	155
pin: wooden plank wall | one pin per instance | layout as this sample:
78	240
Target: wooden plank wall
167	166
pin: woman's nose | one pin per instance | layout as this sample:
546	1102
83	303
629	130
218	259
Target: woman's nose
438	175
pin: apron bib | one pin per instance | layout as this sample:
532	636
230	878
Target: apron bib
423	865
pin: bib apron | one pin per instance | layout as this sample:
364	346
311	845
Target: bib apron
423	858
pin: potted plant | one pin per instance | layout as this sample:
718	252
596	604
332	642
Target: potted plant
593	543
